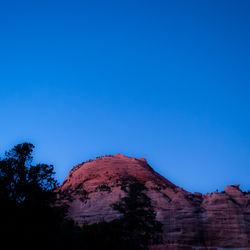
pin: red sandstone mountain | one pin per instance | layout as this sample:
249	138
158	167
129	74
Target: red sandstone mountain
219	220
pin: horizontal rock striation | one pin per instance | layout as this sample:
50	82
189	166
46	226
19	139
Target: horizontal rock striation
190	221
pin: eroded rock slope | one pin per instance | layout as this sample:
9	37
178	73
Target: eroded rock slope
189	220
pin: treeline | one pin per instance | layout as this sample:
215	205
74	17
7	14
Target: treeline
30	219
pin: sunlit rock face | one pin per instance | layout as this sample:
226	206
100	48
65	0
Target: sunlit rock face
219	220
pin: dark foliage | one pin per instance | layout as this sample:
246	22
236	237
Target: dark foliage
103	235
139	219
136	229
26	193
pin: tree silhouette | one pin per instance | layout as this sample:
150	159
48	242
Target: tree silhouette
136	229
27	211
139	222
21	181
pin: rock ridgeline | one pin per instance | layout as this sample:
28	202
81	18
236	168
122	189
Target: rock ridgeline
190	221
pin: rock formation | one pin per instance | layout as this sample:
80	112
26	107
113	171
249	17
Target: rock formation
190	221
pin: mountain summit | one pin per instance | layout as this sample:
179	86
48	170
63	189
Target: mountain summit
189	220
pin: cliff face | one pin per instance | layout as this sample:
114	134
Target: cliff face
211	220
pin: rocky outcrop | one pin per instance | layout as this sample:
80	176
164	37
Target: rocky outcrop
218	220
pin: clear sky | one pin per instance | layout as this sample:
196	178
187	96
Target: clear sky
164	80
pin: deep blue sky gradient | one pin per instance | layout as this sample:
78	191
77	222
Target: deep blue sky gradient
164	80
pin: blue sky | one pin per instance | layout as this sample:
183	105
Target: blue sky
164	80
